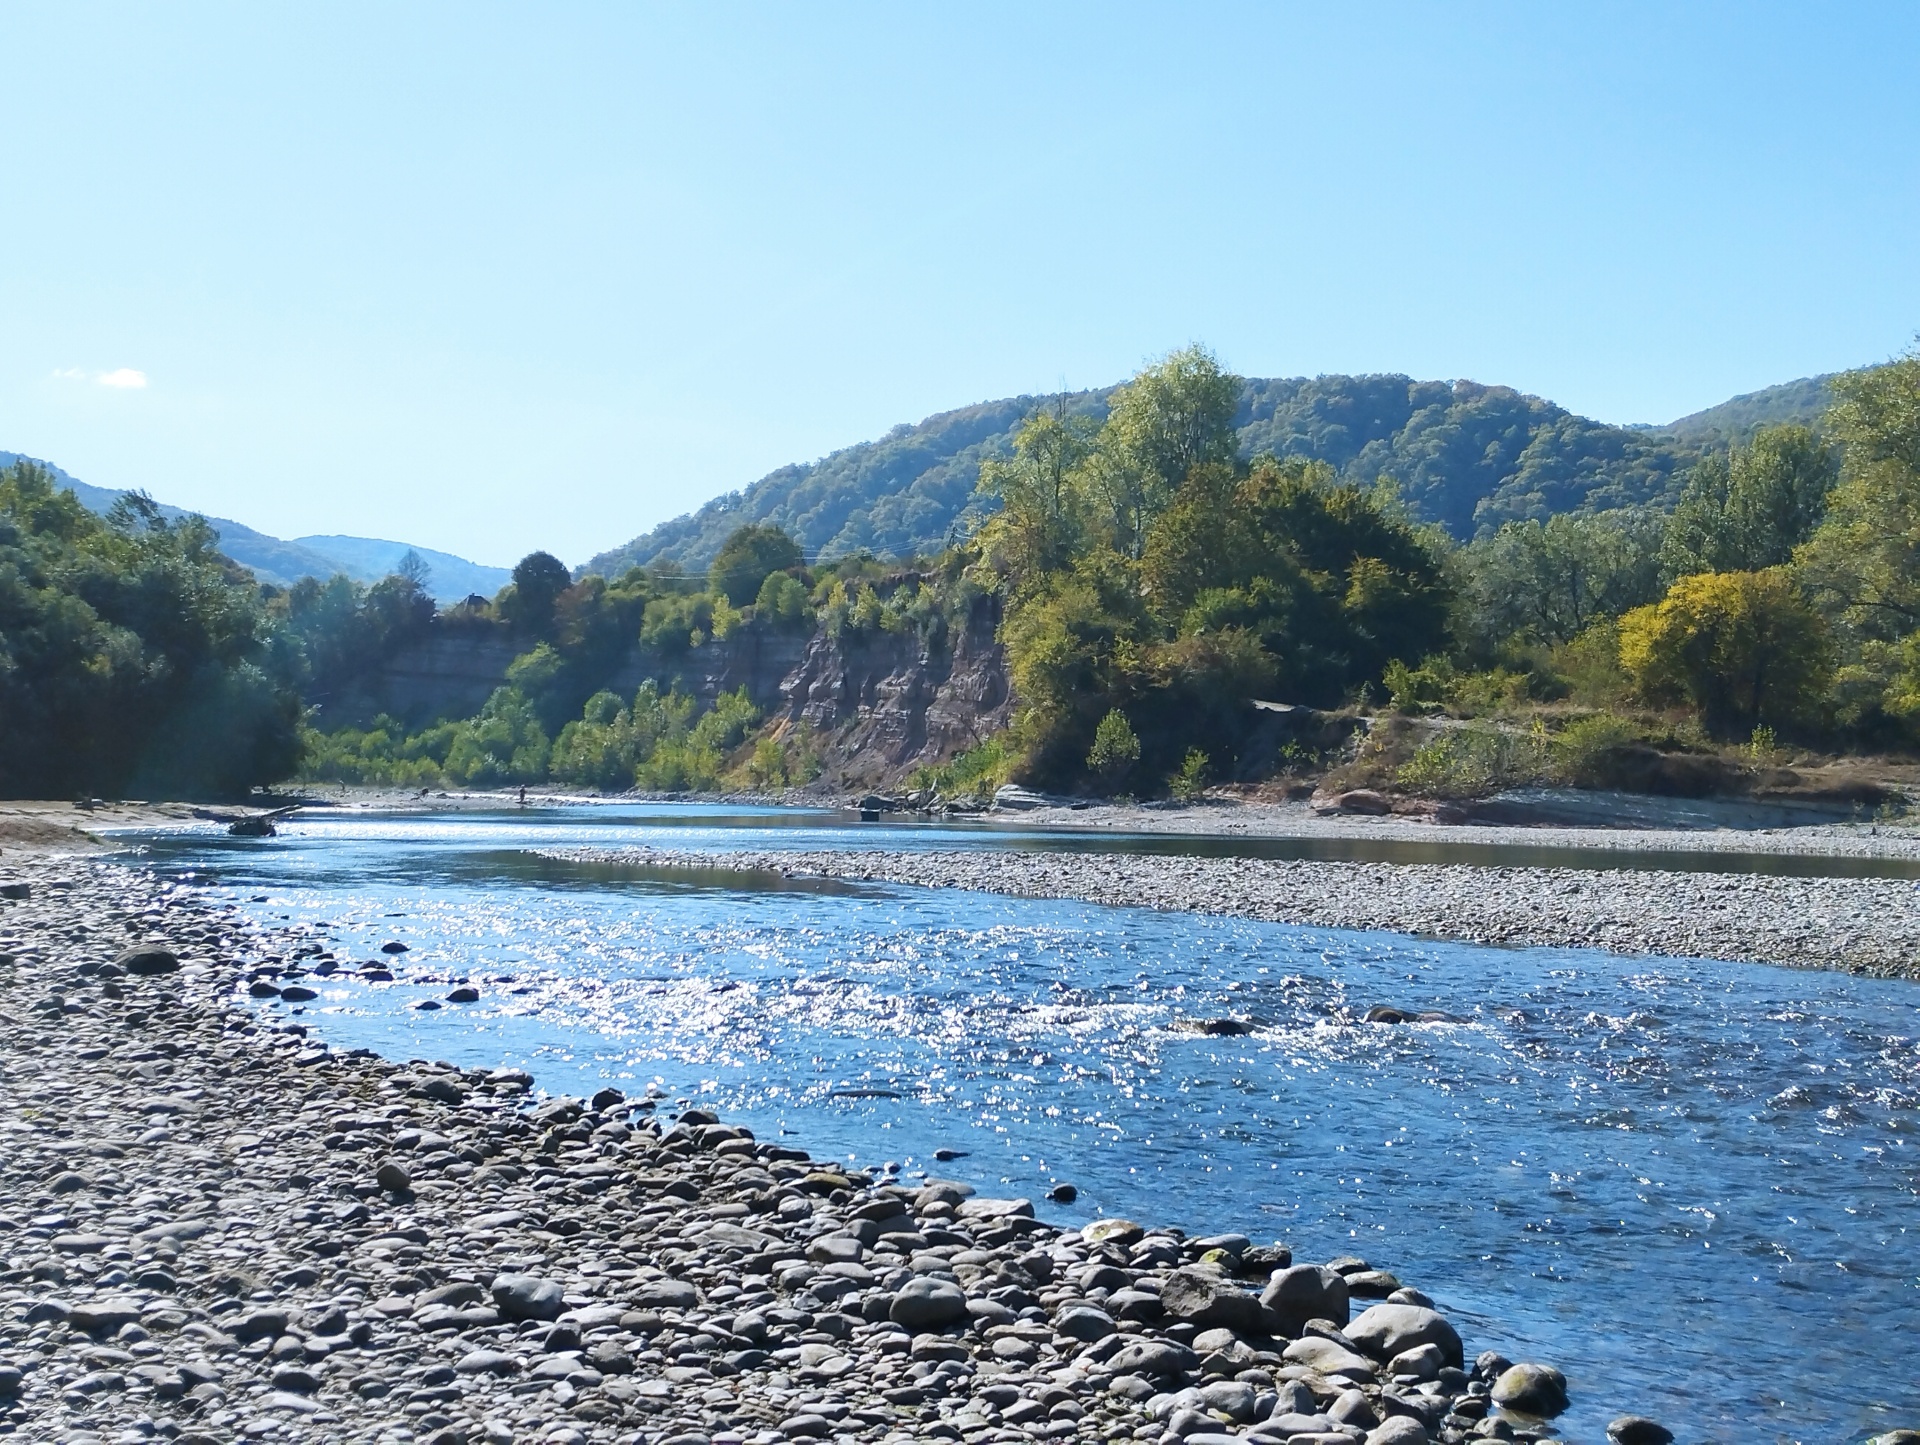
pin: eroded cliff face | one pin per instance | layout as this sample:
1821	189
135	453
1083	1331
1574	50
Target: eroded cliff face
877	704
883	703
758	659
449	673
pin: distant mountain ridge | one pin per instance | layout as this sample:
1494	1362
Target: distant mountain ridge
1465	455
1737	418
282	563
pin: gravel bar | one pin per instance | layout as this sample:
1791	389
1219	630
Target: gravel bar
1857	925
221	1230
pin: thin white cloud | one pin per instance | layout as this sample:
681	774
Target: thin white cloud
69	373
124	377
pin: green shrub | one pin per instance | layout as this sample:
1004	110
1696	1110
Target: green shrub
1583	749
782	603
1474	760
1116	748
1191	780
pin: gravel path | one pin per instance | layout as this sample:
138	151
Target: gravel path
217	1230
1859	925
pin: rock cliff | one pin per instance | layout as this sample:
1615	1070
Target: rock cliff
876	703
881	704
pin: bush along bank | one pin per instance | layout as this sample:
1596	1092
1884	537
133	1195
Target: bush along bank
220	1230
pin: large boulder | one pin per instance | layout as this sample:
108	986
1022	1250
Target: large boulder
1386	1330
1210	1302
1328	1358
1152	1358
926	1303
1083	1322
1119	1232
1537	1390
1639	1430
528	1297
148	960
1304	1292
1399	1430
993	1211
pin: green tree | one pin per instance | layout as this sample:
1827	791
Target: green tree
747	558
1115	750
133	656
1862	566
1174	416
529	600
782	603
502	745
1747	510
1039	526
1863	563
1742	647
1333	584
1546	582
1191	779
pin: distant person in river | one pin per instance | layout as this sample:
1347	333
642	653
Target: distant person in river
523	795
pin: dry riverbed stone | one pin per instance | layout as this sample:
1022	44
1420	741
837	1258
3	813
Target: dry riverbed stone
148	960
528	1297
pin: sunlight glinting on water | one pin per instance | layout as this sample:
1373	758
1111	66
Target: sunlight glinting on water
1601	1157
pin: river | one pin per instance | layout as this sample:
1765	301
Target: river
1691	1185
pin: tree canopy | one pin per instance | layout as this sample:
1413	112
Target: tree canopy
1166	603
134	658
1467	456
747	558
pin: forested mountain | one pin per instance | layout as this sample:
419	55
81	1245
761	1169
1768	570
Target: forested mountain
1465	455
897	496
1736	420
282	563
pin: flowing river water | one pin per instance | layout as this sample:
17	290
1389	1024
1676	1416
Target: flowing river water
1693	1186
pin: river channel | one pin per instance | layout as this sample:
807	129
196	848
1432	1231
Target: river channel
1694	1186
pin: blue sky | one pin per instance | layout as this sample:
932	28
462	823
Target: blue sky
489	278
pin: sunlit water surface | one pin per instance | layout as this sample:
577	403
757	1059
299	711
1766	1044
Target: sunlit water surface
1691	1185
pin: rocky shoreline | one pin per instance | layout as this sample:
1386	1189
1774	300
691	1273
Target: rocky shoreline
1868	926
217	1229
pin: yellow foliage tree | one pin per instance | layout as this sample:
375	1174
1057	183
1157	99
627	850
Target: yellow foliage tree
1742	647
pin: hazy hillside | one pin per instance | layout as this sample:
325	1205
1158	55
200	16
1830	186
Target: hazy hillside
1802	401
1465	455
368	559
272	559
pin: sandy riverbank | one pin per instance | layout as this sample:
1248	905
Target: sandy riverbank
1859	925
219	1230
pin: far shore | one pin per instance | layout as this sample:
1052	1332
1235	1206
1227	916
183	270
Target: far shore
48	826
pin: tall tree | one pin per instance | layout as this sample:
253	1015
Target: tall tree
1174	416
747	558
132	654
1862	567
1864	561
1546	582
538	580
1039	527
1748	509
